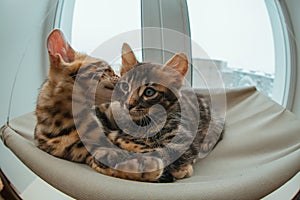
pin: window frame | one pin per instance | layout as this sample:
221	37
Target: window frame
160	19
285	47
285	53
64	17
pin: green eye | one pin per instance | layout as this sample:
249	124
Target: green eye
149	92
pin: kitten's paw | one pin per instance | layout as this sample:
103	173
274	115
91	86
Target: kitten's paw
108	157
144	168
111	110
184	171
103	107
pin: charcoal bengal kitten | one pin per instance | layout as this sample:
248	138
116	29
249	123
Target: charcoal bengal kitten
66	125
151	115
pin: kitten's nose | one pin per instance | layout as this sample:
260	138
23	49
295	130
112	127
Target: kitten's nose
128	106
114	79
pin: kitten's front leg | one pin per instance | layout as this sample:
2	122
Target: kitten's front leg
142	168
122	164
183	171
108	161
105	114
182	166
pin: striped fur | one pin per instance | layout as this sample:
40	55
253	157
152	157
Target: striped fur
144	85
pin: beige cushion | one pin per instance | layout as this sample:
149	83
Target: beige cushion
259	153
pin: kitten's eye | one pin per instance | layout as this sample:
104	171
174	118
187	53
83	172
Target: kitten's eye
124	86
149	92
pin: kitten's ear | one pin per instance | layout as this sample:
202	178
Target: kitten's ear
129	60
178	62
59	49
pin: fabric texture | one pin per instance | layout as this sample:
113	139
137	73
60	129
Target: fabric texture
260	151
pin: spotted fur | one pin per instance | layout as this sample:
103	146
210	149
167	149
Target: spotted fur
66	125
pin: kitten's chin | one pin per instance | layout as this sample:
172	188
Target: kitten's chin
139	115
144	121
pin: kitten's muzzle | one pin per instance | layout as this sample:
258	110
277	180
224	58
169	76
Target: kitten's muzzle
114	79
104	91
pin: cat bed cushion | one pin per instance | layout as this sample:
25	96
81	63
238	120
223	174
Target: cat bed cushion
260	151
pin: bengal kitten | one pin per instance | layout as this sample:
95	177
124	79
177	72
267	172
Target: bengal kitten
152	116
66	125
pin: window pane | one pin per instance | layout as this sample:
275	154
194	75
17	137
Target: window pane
97	21
238	34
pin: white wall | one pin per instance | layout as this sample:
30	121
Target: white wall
24	27
294	7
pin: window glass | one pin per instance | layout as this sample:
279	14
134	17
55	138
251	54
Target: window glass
238	36
97	21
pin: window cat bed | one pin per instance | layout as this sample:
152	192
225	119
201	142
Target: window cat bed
260	151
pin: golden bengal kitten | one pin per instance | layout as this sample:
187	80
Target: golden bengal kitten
76	82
